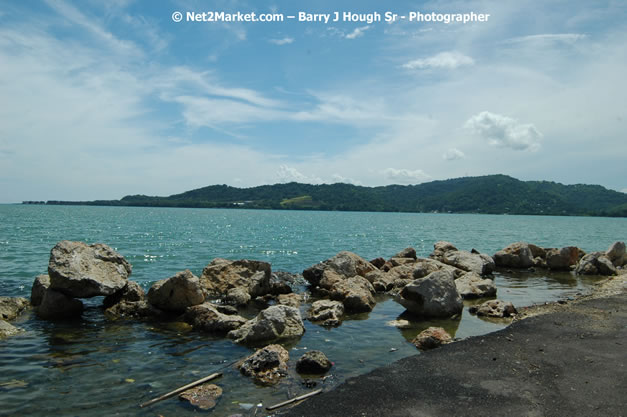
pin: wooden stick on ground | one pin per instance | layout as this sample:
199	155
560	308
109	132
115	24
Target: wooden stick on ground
293	400
179	390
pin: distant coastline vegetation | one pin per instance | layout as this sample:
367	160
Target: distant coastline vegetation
492	194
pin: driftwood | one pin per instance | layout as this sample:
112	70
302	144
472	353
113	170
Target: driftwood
179	390
293	400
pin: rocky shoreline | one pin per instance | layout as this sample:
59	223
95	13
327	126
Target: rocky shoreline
427	288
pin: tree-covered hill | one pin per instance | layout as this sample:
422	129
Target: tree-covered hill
496	194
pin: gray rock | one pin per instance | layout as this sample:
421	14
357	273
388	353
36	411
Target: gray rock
267	365
617	254
80	270
424	266
223	275
131	292
494	308
133	309
406	253
7	330
326	312
56	305
595	263
176	293
313	362
516	255
355	293
381	281
281	282
562	259
11	307
203	397
432	338
440	248
237	296
481	263
206	317
345	264
275	323
40	285
472	285
432	296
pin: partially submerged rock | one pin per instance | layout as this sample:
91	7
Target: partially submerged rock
206	317
133	309
432	338
472	285
595	263
80	270
494	308
345	264
176	293
355	293
275	323
56	305
313	362
222	276
267	365
516	255
204	397
326	312
7	330
11	307
40	285
131	292
562	259
432	296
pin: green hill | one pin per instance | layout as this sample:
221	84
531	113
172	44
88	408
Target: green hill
496	194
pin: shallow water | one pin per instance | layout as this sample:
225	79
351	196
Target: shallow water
94	366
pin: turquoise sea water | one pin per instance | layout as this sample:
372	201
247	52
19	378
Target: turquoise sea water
96	367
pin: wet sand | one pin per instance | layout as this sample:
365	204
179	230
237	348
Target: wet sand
556	359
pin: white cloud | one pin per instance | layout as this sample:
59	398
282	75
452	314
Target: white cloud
358	32
548	37
405	176
453	154
443	60
624	190
283	41
335	178
287	173
504	131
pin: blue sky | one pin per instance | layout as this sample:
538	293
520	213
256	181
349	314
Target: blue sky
103	99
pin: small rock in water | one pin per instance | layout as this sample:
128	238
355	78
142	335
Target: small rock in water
246	406
393	349
400	324
203	397
431	338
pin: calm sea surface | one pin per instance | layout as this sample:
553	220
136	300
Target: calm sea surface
96	367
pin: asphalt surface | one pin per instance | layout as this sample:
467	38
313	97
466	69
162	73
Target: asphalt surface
572	362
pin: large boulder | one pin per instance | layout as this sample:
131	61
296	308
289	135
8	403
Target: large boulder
313	362
129	302
432	338
562	259
176	293
80	270
345	264
278	322
516	255
11	307
617	254
355	293
292	300
40	285
432	296
479	263
406	253
7	329
57	305
595	263
203	397
440	248
326	312
472	285
424	266
206	317
494	308
381	281
267	365
222	276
